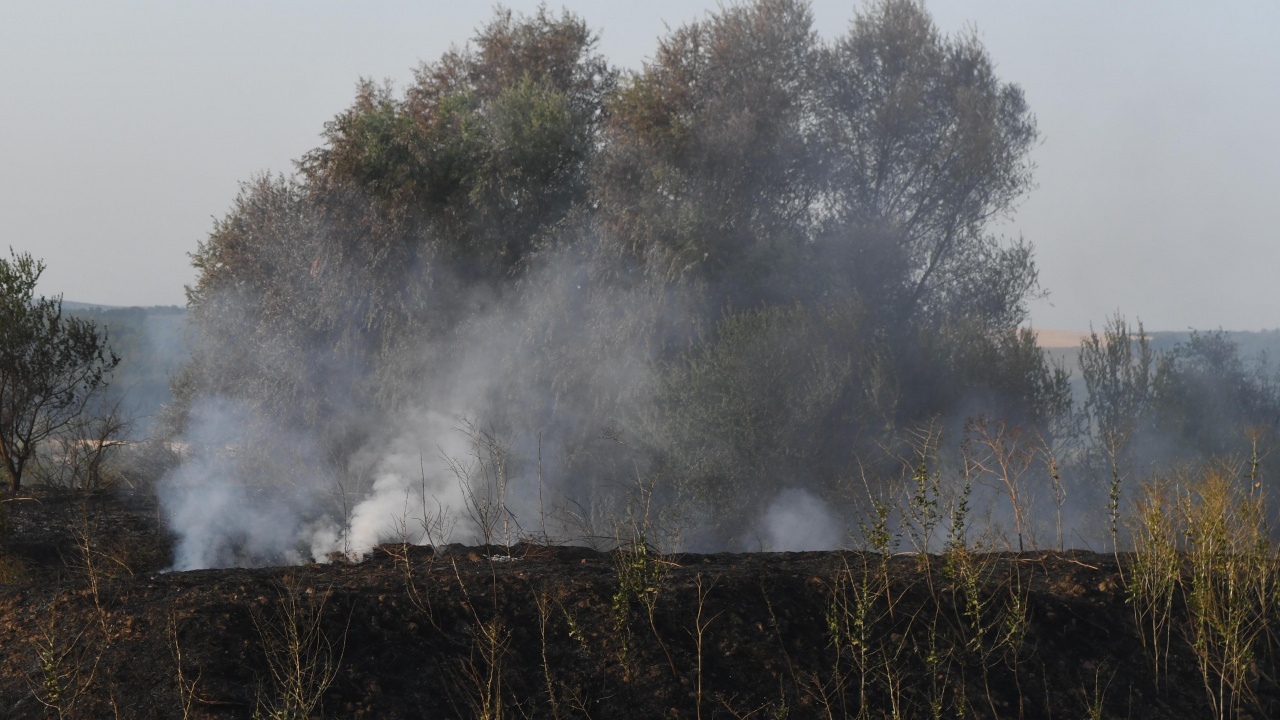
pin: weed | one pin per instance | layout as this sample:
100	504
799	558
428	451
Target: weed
1114	494
575	631
484	669
1157	568
1095	701
543	602
641	574
302	660
94	563
700	626
1003	451
925	485
851	618
1231	584
483	478
1058	489
640	567
67	666
187	695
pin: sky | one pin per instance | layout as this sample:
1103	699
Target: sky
126	128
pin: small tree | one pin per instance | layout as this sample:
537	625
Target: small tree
1119	371
50	366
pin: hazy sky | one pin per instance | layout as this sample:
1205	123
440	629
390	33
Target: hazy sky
125	128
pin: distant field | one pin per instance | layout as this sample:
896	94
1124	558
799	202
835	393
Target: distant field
1063	346
151	343
1060	338
1252	343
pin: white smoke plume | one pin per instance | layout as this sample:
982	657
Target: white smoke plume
797	520
227	508
220	517
415	495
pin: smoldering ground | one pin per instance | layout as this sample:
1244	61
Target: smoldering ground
452	462
444	465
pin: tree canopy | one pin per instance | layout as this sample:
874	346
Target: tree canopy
761	253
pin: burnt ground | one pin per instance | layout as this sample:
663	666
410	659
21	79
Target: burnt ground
568	632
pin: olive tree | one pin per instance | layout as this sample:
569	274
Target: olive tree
51	366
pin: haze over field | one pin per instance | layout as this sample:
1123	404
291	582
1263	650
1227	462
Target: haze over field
126	127
732	283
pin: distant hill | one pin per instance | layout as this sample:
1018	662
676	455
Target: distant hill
73	306
151	343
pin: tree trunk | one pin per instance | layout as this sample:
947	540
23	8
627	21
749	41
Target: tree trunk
15	475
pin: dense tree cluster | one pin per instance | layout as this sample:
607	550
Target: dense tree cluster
1197	399
755	259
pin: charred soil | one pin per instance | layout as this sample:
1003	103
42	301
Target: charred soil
91	626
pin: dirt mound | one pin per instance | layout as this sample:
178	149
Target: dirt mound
568	632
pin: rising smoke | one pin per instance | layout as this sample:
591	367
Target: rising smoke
445	464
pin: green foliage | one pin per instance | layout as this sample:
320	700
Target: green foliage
1000	373
750	150
1208	398
1205	569
487	151
780	391
1197	399
707	169
315	293
51	366
1157	566
640	574
926	144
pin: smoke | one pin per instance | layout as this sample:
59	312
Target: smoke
534	416
230	504
249	493
415	496
796	520
452	460
223	515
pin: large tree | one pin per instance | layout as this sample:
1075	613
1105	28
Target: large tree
51	365
485	154
926	146
751	155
